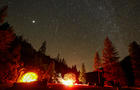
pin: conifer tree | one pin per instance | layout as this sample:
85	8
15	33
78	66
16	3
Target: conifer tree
82	77
6	32
53	73
50	73
97	62
9	55
43	48
3	14
134	53
110	59
110	54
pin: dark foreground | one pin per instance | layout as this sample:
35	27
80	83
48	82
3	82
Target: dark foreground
73	88
63	87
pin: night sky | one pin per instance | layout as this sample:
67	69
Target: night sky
76	28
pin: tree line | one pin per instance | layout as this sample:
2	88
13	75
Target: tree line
115	71
18	56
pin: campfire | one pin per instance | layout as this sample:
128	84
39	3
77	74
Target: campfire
68	82
69	79
31	79
28	77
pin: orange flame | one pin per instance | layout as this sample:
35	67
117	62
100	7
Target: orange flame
29	77
69	79
68	82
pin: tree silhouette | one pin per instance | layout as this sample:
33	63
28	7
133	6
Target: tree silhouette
110	62
43	48
50	73
14	50
128	71
82	77
3	14
9	55
97	62
109	52
134	53
53	73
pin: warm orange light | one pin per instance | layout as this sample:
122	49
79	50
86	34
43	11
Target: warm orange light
69	79
68	82
29	77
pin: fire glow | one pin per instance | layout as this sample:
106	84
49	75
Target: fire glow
69	79
68	82
29	77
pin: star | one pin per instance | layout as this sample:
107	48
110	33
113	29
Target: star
33	21
76	25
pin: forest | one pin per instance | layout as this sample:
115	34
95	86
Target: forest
18	56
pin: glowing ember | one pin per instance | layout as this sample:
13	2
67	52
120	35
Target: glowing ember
29	77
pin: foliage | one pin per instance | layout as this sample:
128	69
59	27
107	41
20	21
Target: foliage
52	72
97	62
134	53
3	14
9	55
111	64
128	71
6	36
17	53
110	54
82	77
43	48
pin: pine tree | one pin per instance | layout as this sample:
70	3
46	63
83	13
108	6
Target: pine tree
82	77
134	53
110	59
134	50
6	32
15	62
50	73
43	48
3	14
9	55
109	52
97	63
53	73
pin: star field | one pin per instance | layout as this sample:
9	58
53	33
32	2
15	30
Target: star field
76	28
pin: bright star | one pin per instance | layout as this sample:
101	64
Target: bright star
33	21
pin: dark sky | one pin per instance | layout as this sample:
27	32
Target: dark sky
76	28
